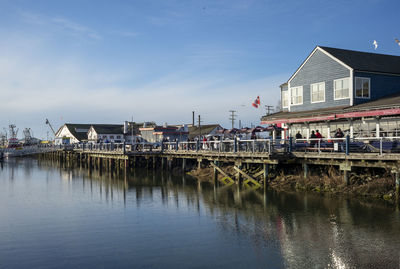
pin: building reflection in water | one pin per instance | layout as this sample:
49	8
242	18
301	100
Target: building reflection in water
306	230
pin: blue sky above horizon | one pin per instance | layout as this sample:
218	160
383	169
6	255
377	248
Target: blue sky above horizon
106	61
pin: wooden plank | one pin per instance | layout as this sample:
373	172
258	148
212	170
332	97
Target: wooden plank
243	173
259	173
219	170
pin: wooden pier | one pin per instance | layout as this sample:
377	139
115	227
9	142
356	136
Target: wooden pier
265	162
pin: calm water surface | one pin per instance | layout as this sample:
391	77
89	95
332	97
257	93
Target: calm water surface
58	217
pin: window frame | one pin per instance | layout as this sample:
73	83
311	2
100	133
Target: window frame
311	88
291	95
334	89
287	98
369	87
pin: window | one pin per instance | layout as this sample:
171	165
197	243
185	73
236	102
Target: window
362	87
285	99
296	95
341	88
111	137
118	136
317	92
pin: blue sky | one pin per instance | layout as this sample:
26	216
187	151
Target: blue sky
106	61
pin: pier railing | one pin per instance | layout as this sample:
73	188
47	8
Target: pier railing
346	145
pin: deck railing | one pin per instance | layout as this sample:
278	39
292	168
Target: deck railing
346	145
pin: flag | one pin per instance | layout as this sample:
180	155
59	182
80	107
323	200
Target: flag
256	102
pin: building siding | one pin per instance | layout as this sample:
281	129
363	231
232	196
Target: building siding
319	68
380	85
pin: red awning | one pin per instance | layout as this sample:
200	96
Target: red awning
358	114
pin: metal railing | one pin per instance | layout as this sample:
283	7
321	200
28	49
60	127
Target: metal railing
347	145
266	146
344	145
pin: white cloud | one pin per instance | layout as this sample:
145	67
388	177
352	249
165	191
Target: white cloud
34	86
61	24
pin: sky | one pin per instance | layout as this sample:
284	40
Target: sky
159	60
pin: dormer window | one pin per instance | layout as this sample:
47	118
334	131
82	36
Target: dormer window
363	87
285	99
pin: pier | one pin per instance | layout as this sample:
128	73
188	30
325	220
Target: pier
265	155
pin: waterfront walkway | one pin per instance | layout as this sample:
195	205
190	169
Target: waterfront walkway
343	153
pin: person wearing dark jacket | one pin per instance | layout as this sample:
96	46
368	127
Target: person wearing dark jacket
313	136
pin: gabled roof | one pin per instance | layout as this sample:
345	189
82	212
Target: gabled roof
358	60
205	130
366	61
79	131
108	128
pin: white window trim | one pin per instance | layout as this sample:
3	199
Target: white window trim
334	90
311	93
369	88
302	96
288	101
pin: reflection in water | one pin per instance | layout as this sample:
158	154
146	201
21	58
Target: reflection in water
259	229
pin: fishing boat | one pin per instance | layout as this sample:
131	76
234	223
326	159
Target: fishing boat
15	148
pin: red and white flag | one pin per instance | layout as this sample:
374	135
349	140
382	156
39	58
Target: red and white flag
256	102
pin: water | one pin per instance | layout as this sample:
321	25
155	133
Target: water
52	217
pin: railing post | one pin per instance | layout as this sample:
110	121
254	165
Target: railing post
197	145
269	146
176	145
290	144
253	145
162	146
124	148
380	146
235	145
319	145
347	144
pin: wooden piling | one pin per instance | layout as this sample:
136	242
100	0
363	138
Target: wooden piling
216	163
305	169
183	165
265	174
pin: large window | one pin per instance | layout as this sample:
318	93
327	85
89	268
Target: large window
341	88
296	95
285	99
317	92
362	87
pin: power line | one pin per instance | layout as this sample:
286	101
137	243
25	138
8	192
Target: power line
232	117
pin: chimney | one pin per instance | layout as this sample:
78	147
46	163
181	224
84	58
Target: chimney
125	127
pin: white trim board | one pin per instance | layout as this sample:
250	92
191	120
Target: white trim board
312	53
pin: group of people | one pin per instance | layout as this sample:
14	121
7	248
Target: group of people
317	135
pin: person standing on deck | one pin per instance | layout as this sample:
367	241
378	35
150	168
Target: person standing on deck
313	137
318	134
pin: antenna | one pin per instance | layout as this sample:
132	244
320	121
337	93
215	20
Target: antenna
232	117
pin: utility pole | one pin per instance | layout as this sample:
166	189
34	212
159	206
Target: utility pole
199	122
132	133
269	109
232	117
